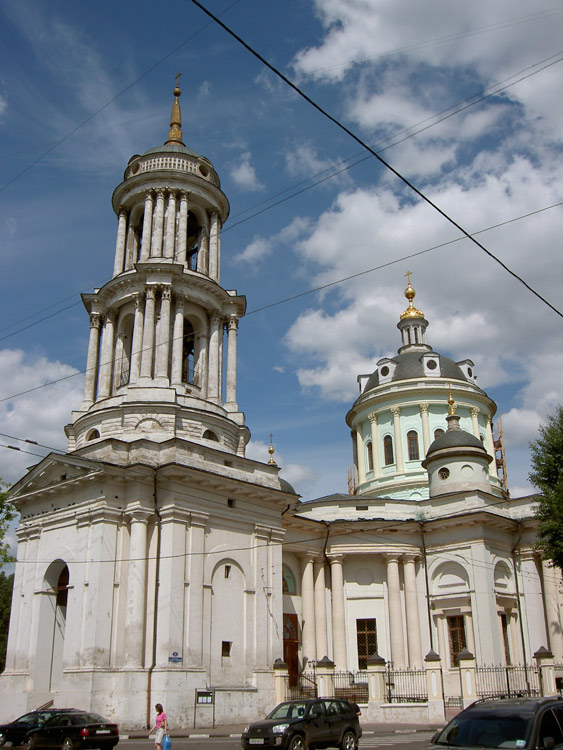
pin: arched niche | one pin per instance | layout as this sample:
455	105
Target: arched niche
449	578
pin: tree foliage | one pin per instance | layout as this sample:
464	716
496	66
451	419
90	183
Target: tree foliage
7	514
547	476
6	586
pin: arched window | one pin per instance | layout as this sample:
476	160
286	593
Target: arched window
208	435
438	432
288	580
412	442
388	450
93	435
369	450
194	230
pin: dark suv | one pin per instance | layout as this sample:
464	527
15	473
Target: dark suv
309	723
511	723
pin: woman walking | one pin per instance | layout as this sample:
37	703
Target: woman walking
161	726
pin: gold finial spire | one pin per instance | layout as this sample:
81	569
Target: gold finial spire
271	452
175	132
411	311
451	402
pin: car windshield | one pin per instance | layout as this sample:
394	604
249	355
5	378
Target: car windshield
288	711
491	730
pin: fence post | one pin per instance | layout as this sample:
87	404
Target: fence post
467	668
544	660
375	669
281	680
434	686
325	677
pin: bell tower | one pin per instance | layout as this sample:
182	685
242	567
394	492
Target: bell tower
159	364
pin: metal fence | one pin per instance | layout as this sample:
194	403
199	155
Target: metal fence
507	681
352	686
405	685
301	686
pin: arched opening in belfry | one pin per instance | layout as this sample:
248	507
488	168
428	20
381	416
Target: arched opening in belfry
188	357
193	240
123	345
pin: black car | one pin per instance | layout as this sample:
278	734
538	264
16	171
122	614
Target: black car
16	731
71	730
511	723
309	723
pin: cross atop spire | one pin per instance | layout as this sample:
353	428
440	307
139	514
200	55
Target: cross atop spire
175	132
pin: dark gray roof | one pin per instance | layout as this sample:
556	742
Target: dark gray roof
409	365
455	439
171	148
286	487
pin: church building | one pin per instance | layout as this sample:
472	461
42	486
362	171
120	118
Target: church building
157	563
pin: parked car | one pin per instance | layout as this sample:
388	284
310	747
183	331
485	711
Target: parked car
72	730
512	723
16	731
306	724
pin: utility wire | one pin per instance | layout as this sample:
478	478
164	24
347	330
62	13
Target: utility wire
310	291
374	153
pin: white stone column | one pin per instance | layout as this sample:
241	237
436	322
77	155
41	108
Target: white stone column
213	247
162	354
398	439
91	374
443	649
340	656
158	226
491	448
395	611
182	243
119	377
120	242
178	342
320	609
532	611
221	340
551	580
137	343
194	603
475	421
375	445
218	251
469	633
425	428
202	364
148	333
231	400
354	458
106	364
170	226
136	594
147	227
361	455
213	377
308	645
413	619
203	255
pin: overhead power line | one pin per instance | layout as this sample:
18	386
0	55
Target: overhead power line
374	153
314	289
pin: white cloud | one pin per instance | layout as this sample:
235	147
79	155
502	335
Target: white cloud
38	415
258	249
301	477
244	174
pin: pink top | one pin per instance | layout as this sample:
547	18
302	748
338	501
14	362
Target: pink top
160	719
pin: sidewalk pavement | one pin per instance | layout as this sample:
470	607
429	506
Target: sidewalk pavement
235	730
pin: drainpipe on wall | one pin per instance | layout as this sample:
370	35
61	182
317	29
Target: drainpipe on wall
518	594
428	612
155	611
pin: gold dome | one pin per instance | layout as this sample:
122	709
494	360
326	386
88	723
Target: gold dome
411	311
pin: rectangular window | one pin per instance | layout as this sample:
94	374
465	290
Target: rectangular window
366	636
226	648
227	571
456	633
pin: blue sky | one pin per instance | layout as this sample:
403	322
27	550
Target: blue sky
85	86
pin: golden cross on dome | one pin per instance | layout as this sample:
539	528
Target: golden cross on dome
178	80
408	275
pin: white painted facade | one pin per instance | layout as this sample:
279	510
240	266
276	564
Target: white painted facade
157	563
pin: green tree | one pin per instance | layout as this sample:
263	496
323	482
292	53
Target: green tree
7	514
547	476
6	586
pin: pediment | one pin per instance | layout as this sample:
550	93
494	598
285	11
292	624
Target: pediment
53	471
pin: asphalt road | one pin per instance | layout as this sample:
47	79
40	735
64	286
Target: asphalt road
399	741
